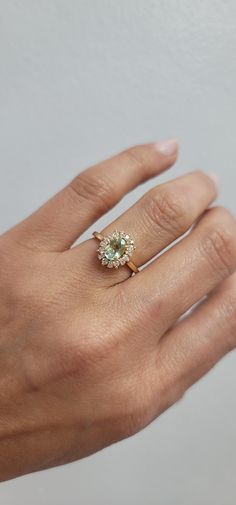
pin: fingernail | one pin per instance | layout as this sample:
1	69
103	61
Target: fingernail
167	147
214	177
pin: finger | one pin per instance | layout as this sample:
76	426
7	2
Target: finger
192	347
57	224
191	269
161	216
165	213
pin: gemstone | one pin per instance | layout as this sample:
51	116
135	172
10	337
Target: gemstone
115	248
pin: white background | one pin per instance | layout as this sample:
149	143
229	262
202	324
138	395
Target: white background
80	80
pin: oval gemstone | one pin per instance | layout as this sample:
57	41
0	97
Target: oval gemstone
115	249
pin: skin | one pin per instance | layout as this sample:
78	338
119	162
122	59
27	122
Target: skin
88	355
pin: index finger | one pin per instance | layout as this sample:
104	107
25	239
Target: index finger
58	223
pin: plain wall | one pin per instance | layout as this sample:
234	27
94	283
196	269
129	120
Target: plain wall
80	80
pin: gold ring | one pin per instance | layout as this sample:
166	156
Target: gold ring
116	249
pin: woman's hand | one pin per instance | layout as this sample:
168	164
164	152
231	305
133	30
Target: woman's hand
90	355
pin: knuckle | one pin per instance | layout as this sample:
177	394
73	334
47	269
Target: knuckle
220	241
138	159
96	188
135	156
229	303
167	211
86	353
228	309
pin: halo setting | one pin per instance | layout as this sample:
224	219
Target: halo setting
115	249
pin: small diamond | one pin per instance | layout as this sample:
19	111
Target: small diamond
104	261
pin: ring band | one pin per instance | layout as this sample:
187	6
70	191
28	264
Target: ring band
115	250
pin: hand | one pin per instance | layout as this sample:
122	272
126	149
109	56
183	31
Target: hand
90	355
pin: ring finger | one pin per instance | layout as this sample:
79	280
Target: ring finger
162	215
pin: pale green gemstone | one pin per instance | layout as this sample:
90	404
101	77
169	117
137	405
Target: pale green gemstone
115	249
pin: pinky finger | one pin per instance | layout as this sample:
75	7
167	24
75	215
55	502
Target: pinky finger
191	348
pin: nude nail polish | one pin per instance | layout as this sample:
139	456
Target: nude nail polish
214	177
167	147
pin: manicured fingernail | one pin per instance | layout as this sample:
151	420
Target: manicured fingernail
167	147
214	177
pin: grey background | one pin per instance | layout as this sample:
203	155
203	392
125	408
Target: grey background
80	80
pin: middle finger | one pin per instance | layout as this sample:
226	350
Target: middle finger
162	215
